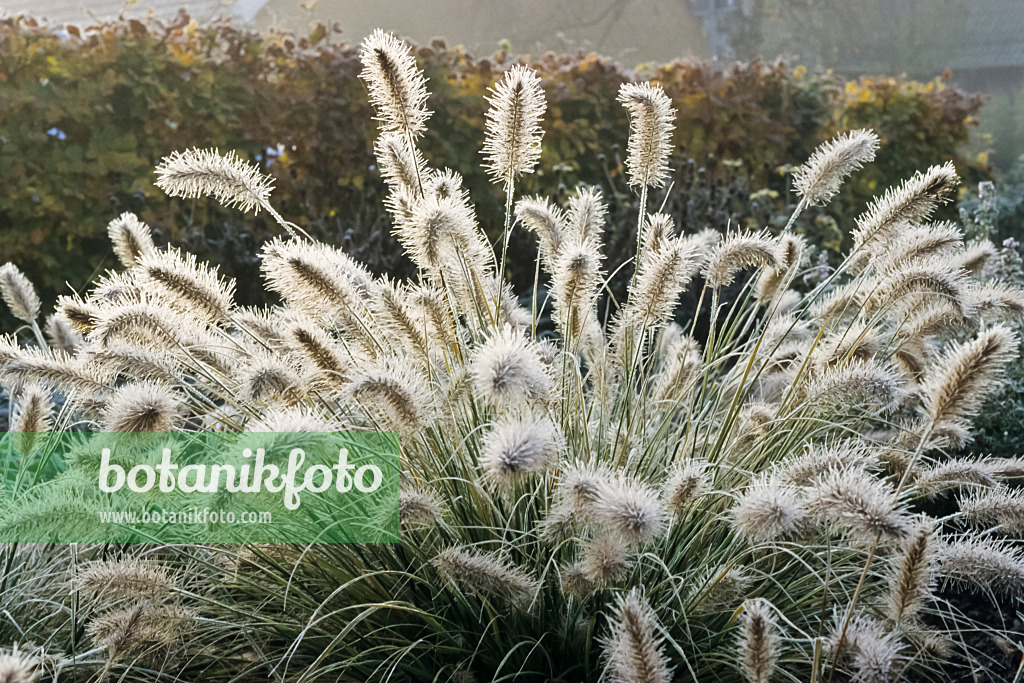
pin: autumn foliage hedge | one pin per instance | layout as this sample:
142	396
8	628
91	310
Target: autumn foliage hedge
85	113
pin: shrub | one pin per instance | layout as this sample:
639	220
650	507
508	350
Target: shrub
87	112
615	500
995	213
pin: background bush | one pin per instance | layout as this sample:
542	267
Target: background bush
85	113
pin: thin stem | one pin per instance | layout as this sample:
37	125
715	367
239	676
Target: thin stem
536	281
792	219
639	230
853	603
506	233
293	230
40	339
412	152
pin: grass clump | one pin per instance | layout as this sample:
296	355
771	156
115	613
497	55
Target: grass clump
612	498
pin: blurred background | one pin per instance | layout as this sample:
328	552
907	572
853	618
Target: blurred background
977	44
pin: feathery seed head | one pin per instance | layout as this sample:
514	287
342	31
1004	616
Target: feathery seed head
914	283
651	121
142	628
61	335
395	316
869	384
818	460
954	473
201	172
628	508
545	219
681	366
658	229
998	509
33	414
507	370
18	293
722	589
966	373
125	578
142	407
445	183
400	165
131	238
976	256
398	89
919	242
586	215
758	641
579	488
874	650
604	559
141	321
293	420
910	582
574	581
431	311
859	341
790	252
512	145
633	649
268	378
911	202
738	251
487	575
324	283
179	280
319	352
82	316
994	301
17	666
818	180
68	373
518	446
983	564
684	486
575	284
417	508
114	288
442	232
661	279
396	391
863	506
768	511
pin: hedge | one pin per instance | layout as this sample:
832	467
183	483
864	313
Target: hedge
85	113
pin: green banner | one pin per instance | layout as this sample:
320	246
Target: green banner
209	487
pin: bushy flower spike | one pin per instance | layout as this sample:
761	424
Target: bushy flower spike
512	143
651	121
